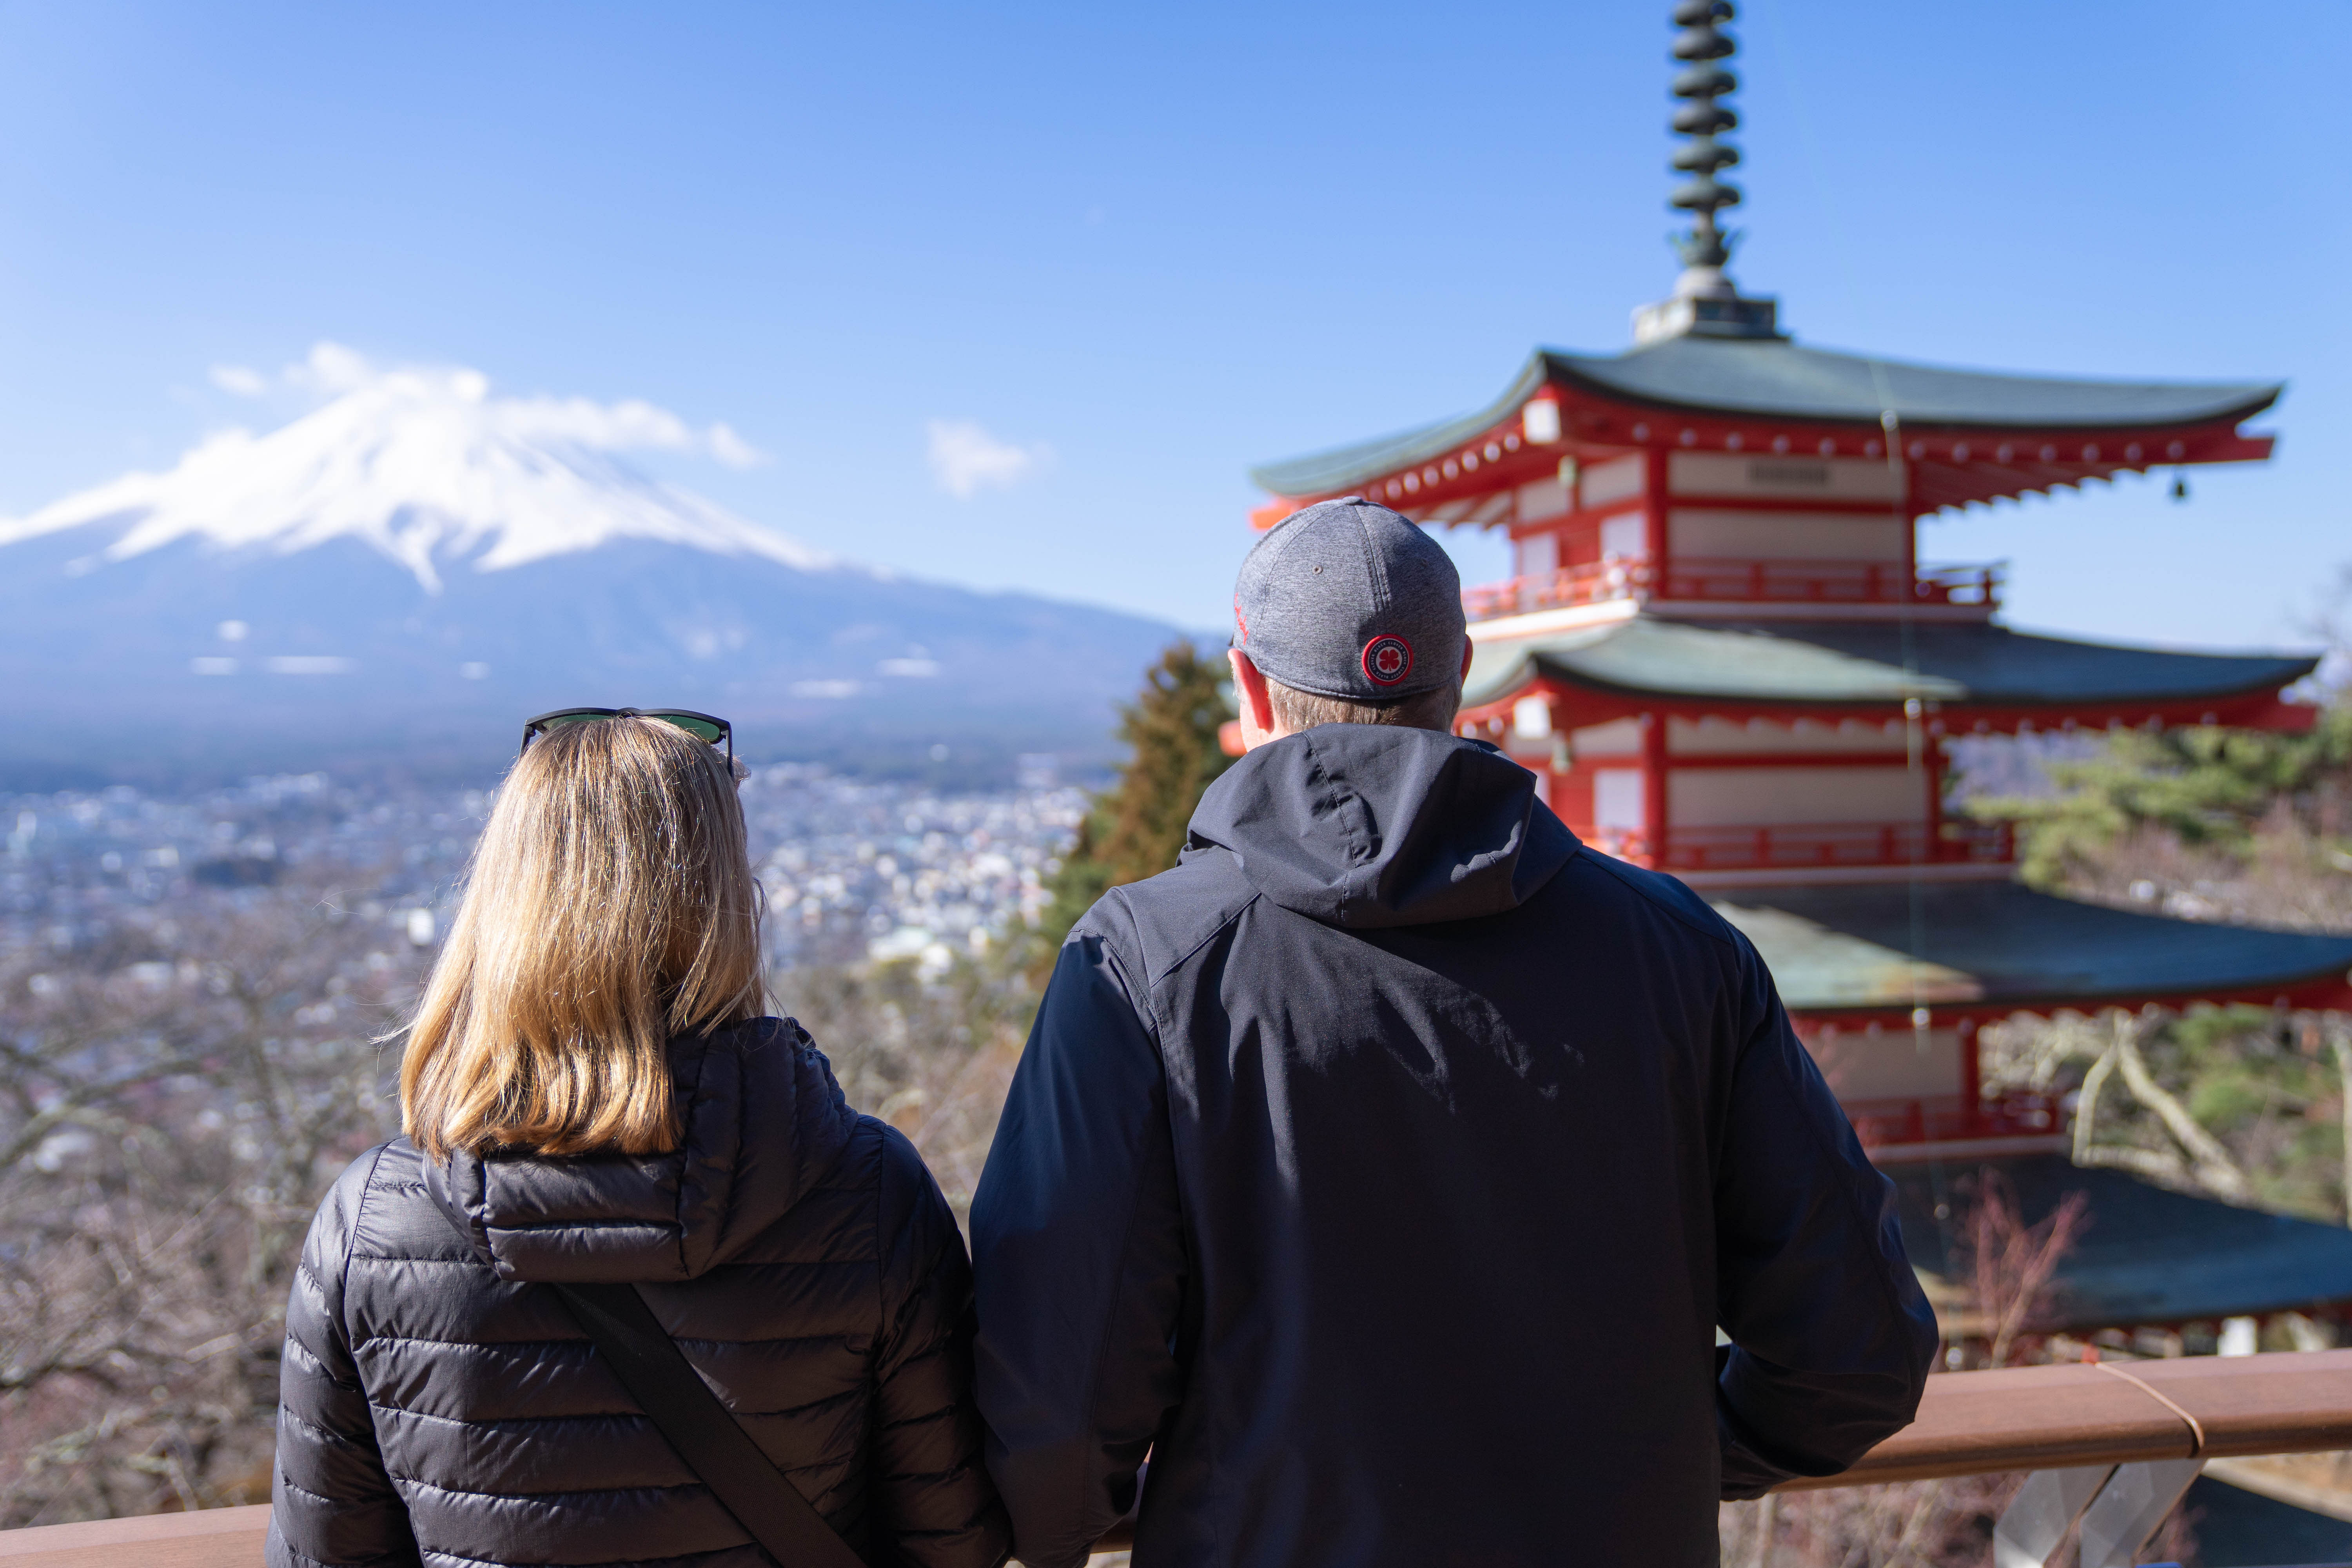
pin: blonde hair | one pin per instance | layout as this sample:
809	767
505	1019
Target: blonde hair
610	906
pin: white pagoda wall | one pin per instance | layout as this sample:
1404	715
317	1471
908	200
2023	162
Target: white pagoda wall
1793	795
1715	737
1887	1064
1724	533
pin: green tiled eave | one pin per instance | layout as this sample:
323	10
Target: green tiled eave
2148	1255
1864	663
1884	946
1777	379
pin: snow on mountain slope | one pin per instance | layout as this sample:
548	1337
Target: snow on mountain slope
414	566
428	468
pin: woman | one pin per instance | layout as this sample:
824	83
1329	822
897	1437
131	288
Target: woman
591	1094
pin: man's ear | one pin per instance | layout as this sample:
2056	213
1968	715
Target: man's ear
1469	652
1250	695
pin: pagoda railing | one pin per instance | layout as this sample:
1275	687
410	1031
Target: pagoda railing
1893	1122
1594	582
1729	580
2110	1446
1829	582
1778	846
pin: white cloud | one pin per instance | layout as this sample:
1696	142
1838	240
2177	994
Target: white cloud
732	449
966	459
239	379
331	371
633	425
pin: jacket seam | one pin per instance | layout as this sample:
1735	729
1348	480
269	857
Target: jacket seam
685	1156
413	1414
1102	1350
886	1338
1333	800
1134	1207
696	1485
1609	863
1855	1207
1151	981
322	1434
350	1247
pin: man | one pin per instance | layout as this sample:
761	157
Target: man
1385	1169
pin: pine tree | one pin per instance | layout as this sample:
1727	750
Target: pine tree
1137	826
2204	785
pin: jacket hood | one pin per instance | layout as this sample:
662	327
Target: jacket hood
763	1122
1365	826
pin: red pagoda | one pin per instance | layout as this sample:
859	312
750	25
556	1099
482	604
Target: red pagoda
1723	655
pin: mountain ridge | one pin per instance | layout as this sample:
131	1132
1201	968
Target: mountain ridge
412	568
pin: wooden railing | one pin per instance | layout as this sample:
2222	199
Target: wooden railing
2067	1417
1894	1122
1737	580
1594	582
1838	844
2071	1421
1829	582
1812	845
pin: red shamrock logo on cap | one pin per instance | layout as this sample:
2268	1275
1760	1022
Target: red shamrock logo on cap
1388	659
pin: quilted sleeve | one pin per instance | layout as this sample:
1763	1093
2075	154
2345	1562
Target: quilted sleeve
932	1503
332	1505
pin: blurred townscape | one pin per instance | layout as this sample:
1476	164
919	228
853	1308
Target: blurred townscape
853	869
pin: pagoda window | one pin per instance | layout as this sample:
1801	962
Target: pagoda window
1723	534
1625	536
1539	555
1619	802
1543	500
1618	737
1713	736
1792	478
1875	1064
1575	791
1794	796
1616	480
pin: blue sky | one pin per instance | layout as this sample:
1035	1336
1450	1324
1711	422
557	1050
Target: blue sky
1140	248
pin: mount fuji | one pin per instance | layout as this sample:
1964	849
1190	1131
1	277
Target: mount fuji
403	574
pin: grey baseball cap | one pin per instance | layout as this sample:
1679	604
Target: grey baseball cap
1347	599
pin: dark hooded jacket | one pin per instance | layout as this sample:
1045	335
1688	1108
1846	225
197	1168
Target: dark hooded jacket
1385	1169
438	1405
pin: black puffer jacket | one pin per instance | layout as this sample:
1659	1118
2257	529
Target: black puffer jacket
438	1407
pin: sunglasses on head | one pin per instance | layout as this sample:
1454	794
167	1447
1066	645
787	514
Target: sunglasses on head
701	726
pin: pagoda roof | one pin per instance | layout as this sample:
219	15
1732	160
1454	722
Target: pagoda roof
2149	1255
1966	664
1888	947
1775	378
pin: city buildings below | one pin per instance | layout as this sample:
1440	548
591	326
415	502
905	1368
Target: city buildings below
853	870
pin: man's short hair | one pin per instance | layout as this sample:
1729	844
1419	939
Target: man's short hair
1431	710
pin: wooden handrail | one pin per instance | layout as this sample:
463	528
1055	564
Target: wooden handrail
1970	1424
2050	1417
215	1538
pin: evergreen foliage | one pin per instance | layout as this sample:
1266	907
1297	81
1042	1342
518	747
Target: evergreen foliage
2206	785
1137	826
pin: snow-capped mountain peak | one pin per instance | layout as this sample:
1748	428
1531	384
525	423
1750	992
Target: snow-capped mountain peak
428	468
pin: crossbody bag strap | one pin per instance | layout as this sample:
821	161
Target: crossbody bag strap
703	1430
